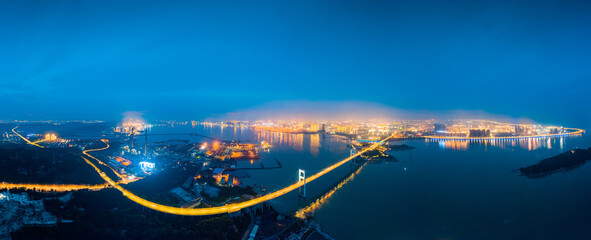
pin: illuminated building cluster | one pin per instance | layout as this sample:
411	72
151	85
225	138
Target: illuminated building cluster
50	137
131	126
375	130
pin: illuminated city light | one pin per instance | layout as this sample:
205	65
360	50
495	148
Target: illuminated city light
52	187
24	138
226	208
147	166
50	137
244	149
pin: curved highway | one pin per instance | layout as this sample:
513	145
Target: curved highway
26	140
219	209
234	206
52	187
122	178
201	211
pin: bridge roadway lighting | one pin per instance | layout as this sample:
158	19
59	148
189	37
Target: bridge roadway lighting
219	209
230	207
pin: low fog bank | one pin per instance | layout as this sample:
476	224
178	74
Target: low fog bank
351	110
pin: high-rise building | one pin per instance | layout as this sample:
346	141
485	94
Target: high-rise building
439	127
479	133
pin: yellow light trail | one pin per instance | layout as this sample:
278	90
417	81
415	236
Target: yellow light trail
211	210
52	187
27	140
226	208
57	187
229	207
304	212
123	178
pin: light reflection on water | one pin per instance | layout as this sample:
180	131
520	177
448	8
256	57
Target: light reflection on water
464	190
299	142
441	189
529	144
315	144
324	199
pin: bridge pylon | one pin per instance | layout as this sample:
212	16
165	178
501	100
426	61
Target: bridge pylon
352	152
302	177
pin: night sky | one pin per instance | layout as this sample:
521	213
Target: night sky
198	59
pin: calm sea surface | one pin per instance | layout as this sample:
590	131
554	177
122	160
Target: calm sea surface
440	190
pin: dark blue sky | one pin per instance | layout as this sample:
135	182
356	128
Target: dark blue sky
189	60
